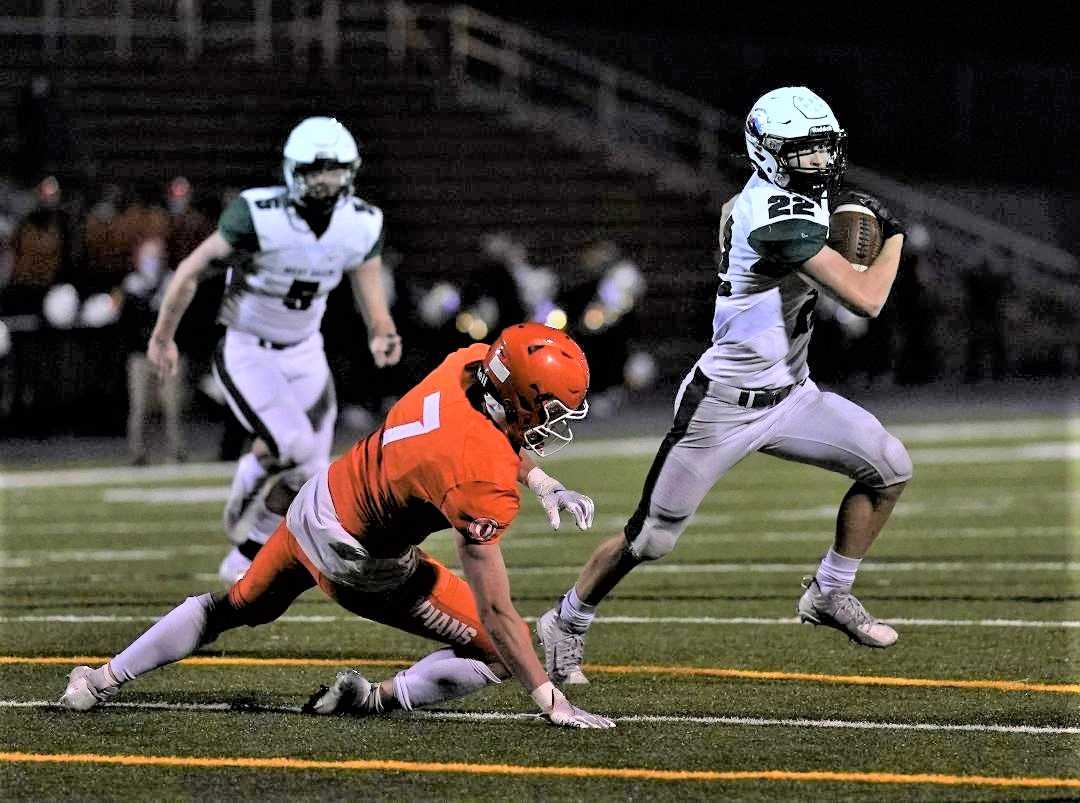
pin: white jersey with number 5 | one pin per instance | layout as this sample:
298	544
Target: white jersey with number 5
764	309
278	291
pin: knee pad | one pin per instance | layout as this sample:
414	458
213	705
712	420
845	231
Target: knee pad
656	538
896	461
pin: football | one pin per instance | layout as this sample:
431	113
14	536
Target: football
855	233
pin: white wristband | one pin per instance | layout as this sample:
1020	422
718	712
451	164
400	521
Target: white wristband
544	696
540	483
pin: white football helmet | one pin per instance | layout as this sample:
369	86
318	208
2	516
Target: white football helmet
795	141
319	143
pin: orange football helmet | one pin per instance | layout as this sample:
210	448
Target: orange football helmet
539	377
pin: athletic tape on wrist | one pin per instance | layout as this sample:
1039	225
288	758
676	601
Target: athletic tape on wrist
546	696
540	483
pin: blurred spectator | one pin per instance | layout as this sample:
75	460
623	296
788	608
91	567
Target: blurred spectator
44	137
189	226
140	296
43	252
491	296
988	287
106	255
601	304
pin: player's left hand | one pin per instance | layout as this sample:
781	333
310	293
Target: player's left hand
577	505
559	711
385	349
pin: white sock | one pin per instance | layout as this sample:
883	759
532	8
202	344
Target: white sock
438	677
575	614
176	635
836	571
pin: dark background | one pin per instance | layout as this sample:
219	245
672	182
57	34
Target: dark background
989	95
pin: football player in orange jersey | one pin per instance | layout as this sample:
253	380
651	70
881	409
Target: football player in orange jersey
451	453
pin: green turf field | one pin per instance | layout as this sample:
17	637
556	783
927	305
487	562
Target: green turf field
717	692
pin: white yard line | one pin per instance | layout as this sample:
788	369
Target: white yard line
115	475
647	719
611	620
167	496
989	430
23	560
148	526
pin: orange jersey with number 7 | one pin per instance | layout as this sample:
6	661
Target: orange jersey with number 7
436	462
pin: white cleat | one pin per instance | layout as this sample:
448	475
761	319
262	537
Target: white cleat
350	693
233	567
81	694
843	611
563	650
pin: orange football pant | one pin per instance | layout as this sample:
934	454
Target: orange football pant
434	602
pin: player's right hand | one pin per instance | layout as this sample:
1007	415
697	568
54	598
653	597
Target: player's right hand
163	355
890	223
386	349
559	711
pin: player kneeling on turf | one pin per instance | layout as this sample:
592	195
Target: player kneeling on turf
450	453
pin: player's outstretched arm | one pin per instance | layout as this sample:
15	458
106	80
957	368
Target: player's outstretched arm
486	573
554	496
370	298
161	350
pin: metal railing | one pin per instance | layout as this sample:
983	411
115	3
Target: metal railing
525	69
121	27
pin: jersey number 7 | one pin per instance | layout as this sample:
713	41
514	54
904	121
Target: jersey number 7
429	423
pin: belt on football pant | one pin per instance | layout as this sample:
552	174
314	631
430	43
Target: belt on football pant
270	344
753	398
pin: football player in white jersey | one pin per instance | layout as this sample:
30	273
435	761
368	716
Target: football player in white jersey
291	245
751	389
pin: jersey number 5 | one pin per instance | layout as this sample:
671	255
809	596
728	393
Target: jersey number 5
300	294
429	423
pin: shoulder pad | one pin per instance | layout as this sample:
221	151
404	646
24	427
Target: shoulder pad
360	205
265	197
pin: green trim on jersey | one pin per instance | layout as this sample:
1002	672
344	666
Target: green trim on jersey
376	250
237	227
789	242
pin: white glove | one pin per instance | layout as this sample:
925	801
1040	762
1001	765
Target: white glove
554	497
557	710
385	349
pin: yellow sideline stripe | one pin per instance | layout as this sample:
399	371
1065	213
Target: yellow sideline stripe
631	773
606	669
856	680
